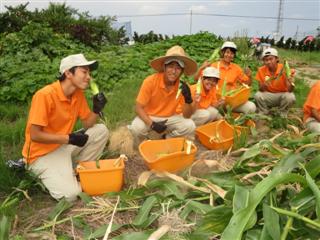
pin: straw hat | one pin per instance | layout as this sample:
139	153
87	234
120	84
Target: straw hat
177	52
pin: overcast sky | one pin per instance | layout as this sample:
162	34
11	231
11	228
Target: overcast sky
181	24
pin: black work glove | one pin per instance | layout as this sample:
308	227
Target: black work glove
185	90
78	138
159	127
99	101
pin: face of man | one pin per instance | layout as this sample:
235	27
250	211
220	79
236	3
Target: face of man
228	55
172	72
270	62
81	77
209	83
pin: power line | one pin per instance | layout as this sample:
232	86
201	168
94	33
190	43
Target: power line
216	15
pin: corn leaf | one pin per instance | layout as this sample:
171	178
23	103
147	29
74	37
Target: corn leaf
216	220
4	227
62	205
313	167
196	207
239	220
240	201
315	189
99	232
133	236
271	221
303	202
144	211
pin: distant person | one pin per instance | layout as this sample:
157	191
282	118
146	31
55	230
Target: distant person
157	99
275	88
311	109
231	73
50	145
206	103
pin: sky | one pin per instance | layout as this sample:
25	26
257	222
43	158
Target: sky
201	19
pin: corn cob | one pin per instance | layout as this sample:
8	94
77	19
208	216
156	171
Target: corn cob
224	88
287	68
198	87
94	87
179	89
214	56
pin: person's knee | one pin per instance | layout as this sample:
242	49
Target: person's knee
258	96
69	193
137	128
188	126
251	107
289	98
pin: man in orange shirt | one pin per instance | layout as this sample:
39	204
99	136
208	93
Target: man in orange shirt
205	103
311	109
231	73
50	146
158	98
275	89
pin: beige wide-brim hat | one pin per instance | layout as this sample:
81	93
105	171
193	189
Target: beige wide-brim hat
190	66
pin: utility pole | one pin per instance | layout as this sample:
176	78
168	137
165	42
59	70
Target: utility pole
279	21
296	34
190	30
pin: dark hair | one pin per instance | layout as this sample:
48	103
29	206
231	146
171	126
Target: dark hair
225	49
63	76
215	79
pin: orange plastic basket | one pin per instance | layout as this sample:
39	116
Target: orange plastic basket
237	99
167	154
218	135
107	178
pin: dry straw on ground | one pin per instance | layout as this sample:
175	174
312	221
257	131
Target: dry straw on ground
121	140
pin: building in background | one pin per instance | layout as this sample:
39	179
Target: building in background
127	27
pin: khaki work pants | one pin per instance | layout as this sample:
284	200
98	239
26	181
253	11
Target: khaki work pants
177	126
55	169
266	100
202	116
246	108
313	125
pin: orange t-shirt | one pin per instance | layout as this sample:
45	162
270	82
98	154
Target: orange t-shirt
313	101
56	114
233	74
276	85
156	99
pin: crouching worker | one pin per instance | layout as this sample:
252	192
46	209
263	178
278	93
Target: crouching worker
205	102
275	88
50	145
158	99
311	109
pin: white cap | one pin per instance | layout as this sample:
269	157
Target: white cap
76	60
229	45
211	72
270	52
170	60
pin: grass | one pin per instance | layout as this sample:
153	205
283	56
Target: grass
298	56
